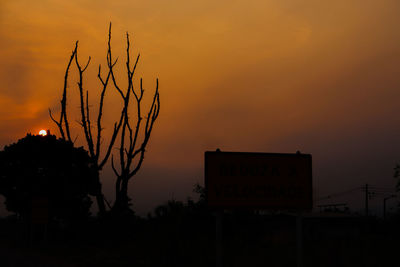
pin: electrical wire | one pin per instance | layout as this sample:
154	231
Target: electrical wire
374	191
339	194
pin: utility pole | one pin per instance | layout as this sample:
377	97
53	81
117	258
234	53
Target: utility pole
299	239
366	200
219	239
384	205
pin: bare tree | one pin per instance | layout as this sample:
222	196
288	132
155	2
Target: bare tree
131	150
94	143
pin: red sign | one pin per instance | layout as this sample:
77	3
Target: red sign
258	180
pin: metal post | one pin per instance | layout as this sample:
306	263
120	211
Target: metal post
366	200
218	239
384	205
299	240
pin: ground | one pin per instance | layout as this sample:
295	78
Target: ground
249	240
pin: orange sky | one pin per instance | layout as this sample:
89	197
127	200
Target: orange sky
322	77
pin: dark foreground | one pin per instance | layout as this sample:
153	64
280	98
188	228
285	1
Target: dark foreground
182	239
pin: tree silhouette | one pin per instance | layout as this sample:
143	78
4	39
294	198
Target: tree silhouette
48	168
133	140
396	175
132	149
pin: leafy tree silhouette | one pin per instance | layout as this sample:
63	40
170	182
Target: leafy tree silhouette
48	168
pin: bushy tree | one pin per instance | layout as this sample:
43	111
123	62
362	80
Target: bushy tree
44	167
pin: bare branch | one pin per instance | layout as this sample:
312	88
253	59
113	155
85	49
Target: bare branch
111	65
139	164
134	67
108	203
112	141
87	64
88	118
153	112
130	137
59	125
100	113
139	119
121	150
128	55
84	119
99	75
63	113
113	167
151	118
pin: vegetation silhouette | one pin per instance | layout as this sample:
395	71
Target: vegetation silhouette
182	233
133	134
396	175
50	170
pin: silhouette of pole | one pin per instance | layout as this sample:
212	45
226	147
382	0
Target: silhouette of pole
218	232
299	240
366	200
384	205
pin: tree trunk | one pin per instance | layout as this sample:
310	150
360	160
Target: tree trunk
100	203
121	203
97	191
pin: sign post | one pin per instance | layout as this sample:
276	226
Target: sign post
260	181
299	240
218	235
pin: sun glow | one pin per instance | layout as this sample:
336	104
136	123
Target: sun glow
43	132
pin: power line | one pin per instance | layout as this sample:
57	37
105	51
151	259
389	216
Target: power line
372	190
339	193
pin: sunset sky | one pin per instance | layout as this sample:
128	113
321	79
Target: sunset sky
322	77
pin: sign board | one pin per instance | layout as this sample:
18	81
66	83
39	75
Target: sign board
258	180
